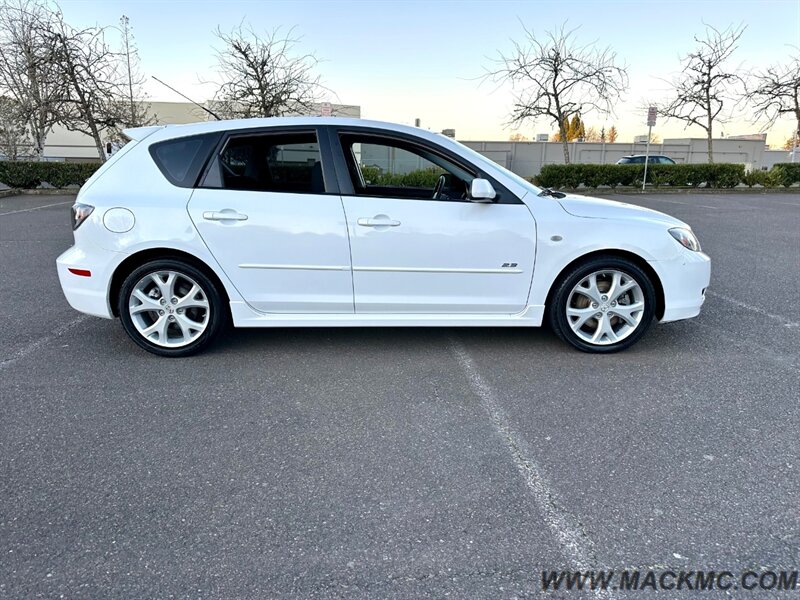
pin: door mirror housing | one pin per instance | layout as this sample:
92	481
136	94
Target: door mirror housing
481	190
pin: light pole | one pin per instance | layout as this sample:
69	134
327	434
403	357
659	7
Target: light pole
651	120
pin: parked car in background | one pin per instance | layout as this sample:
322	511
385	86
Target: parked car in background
653	159
311	222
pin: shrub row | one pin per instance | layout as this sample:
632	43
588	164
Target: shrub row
691	175
30	174
786	173
423	178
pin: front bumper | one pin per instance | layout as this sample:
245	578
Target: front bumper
86	294
685	280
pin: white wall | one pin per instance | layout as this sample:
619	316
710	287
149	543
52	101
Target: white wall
773	157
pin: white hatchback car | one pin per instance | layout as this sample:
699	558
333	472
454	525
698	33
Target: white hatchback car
300	222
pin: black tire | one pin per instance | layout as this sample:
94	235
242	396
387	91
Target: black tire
217	313
557	310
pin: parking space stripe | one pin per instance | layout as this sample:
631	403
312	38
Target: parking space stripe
783	320
747	346
31	209
682	203
567	530
35	345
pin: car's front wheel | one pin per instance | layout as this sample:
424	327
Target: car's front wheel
170	308
603	305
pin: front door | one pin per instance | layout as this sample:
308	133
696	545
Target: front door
419	245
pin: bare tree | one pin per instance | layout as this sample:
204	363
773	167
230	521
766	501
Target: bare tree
775	92
28	74
705	84
555	77
15	140
263	76
138	113
94	103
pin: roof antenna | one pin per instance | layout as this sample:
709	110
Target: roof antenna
208	110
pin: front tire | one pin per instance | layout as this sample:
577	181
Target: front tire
603	305
170	308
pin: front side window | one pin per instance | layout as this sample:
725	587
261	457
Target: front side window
288	162
384	167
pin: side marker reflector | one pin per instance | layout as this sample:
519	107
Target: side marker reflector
80	272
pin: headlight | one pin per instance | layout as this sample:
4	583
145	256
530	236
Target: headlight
79	214
686	238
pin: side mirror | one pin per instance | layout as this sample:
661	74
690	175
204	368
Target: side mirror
480	190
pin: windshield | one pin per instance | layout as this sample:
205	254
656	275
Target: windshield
521	181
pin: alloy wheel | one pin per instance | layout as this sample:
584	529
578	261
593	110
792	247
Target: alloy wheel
605	307
169	308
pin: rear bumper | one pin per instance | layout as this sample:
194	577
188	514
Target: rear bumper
86	294
685	280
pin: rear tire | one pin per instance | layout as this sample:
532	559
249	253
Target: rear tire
603	305
171	308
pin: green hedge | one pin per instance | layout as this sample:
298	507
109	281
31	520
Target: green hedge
786	173
29	175
422	178
572	176
767	179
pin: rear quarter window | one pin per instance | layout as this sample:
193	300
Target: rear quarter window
180	160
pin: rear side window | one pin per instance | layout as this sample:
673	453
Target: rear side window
181	160
278	162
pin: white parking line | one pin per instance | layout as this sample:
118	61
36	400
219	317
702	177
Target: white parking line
35	345
783	320
682	203
574	542
14	212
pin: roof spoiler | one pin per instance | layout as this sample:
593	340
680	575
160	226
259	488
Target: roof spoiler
137	134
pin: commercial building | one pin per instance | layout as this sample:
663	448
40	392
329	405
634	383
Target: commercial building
72	146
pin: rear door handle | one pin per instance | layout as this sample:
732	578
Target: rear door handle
226	214
378	222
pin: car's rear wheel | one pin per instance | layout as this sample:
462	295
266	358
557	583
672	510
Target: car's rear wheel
603	305
170	308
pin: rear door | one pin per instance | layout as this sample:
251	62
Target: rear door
275	223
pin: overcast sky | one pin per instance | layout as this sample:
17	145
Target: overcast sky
403	60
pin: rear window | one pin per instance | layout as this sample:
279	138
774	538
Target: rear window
181	160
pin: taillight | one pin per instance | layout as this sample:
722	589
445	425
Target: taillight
80	212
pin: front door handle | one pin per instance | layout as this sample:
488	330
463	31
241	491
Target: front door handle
378	221
226	214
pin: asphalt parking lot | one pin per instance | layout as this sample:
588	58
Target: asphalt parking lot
392	463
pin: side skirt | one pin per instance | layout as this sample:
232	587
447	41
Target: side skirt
244	316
